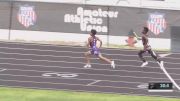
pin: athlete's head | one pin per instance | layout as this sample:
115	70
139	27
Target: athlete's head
145	30
93	32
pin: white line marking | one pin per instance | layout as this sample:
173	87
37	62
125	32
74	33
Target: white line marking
64	56
96	74
63	75
95	69
90	84
74	62
43	66
143	86
164	55
2	70
40	50
10	48
70	84
78	52
63	51
67	46
78	78
174	58
69	78
171	79
76	57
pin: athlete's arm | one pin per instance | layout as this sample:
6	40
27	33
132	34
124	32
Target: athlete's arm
139	38
99	41
88	44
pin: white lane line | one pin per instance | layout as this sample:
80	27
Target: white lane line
66	46
62	56
75	57
79	57
45	66
10	48
42	66
96	74
60	46
92	83
84	68
95	69
69	84
56	89
78	52
69	46
164	55
1	70
170	78
83	63
94	80
72	51
174	58
73	62
59	51
80	79
40	44
62	75
68	78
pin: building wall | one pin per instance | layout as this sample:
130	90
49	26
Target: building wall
45	21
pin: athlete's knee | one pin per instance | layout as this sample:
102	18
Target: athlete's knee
100	56
153	54
86	53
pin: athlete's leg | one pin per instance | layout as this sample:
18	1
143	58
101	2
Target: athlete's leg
87	57
142	58
140	54
107	60
104	59
153	54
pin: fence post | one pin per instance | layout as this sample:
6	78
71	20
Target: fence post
10	19
108	29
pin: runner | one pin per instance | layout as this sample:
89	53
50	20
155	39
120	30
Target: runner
147	48
94	50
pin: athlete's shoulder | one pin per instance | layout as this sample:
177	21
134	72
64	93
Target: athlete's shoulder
89	37
144	36
96	37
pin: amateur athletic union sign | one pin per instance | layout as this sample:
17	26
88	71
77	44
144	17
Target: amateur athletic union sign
156	23
90	19
26	15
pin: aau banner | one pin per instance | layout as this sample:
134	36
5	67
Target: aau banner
26	15
156	23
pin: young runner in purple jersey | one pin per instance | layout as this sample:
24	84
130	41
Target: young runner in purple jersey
94	50
147	48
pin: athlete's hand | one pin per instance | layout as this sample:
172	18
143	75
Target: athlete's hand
139	38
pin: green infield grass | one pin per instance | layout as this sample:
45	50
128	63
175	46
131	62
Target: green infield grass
21	94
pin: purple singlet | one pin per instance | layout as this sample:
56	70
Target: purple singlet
94	49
